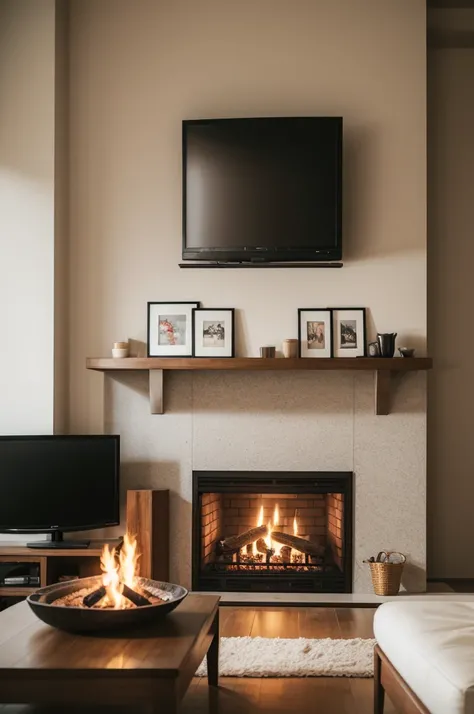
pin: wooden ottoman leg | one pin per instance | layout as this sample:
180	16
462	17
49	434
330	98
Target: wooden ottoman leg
213	655
379	692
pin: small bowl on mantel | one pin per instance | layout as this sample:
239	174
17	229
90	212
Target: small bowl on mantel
406	351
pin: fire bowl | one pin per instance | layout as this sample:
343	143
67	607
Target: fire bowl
78	619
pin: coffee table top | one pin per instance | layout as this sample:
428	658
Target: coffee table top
28	644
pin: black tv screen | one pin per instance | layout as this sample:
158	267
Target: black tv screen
262	189
58	483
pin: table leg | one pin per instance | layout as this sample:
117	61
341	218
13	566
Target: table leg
379	692
213	655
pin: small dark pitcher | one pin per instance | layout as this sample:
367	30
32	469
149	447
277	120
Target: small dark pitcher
387	343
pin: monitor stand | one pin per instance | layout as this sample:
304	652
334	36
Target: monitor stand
56	541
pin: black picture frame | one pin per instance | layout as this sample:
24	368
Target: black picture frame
190	305
196	322
359	353
329	352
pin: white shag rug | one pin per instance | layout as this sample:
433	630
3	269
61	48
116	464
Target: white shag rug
301	657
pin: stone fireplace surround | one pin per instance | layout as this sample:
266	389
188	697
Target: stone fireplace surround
266	422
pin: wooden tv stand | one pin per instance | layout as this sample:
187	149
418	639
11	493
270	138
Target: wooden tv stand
53	562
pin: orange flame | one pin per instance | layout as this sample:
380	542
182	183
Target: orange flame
116	574
294	552
276	521
268	537
128	561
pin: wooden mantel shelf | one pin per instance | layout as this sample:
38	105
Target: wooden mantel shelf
383	369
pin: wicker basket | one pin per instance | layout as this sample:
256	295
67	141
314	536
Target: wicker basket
386	576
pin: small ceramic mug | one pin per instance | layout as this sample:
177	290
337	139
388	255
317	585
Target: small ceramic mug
120	349
290	348
267	351
374	349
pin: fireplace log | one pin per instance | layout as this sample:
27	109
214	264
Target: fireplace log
262	547
233	543
135	597
285	553
304	546
94	597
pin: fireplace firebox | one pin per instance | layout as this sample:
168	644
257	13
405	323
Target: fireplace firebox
262	531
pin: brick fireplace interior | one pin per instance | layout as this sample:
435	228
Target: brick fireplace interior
279	532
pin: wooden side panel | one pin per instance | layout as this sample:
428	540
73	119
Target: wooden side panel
388	679
148	520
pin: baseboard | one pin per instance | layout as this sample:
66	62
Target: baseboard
354	600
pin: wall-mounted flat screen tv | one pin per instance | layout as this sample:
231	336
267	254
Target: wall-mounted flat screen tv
262	189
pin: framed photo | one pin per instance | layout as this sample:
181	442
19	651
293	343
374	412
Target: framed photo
315	332
213	332
350	332
170	329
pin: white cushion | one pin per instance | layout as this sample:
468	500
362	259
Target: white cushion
431	644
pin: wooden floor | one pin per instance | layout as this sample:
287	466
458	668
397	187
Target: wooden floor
315	695
318	695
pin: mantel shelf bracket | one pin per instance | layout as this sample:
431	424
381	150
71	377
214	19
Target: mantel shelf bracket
382	389
156	391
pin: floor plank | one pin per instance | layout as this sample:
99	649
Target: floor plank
236	621
276	622
319	622
355	622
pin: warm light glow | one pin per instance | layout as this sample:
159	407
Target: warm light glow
116	573
295	526
254	549
111	577
128	561
276	521
260	517
277	547
293	552
268	537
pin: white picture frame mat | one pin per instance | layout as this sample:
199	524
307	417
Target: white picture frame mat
338	317
315	316
205	315
172	308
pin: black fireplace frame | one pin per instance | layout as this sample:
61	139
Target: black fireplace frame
322	482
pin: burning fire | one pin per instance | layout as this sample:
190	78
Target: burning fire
117	573
271	526
270	543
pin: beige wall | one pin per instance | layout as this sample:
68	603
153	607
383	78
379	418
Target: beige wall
27	59
61	220
451	252
137	70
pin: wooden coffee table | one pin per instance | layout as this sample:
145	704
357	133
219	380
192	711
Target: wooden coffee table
151	666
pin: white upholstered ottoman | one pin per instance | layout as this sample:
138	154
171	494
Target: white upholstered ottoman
424	657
